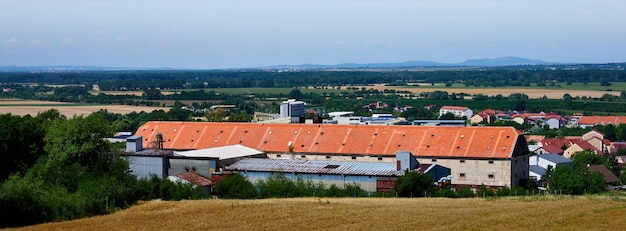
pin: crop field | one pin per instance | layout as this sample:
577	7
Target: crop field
532	92
509	213
32	107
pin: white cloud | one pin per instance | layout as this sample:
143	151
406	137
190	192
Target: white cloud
11	41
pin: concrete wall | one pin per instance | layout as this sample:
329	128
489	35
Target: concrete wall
495	172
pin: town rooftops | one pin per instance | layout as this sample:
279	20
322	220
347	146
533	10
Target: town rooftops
601	120
316	167
468	142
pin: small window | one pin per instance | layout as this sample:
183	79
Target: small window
278	155
353	157
380	158
462	161
462	175
302	156
491	176
434	160
491	161
327	157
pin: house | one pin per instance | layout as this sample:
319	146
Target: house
487	116
539	164
456	111
493	156
609	177
194	179
371	176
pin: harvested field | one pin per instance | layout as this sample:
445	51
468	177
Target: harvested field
32	107
514	213
532	93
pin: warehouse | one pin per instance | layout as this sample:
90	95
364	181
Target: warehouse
493	156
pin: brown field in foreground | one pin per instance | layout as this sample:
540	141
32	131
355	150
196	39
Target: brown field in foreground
532	93
514	213
32	107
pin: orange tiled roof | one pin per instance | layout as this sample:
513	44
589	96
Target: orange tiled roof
476	142
594	120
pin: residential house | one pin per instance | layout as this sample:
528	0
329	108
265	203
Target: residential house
539	164
487	116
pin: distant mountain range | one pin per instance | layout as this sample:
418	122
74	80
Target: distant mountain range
496	62
502	61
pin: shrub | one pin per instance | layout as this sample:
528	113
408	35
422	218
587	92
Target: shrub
235	186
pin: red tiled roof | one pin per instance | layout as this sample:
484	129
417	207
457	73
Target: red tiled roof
595	120
478	142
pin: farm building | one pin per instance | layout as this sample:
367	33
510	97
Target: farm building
539	164
493	156
370	176
590	121
146	162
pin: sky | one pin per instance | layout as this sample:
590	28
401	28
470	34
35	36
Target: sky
211	34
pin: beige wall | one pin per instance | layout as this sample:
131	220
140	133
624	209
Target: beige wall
571	150
332	157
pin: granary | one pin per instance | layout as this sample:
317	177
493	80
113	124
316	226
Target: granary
493	156
370	176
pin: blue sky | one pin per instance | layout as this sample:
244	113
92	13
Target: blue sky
251	33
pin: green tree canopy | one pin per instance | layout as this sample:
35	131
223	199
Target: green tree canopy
413	184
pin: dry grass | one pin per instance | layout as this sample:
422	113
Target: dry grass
519	213
32	107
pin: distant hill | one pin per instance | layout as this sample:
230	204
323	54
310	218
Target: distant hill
502	61
72	68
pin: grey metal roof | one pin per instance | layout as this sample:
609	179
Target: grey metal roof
555	158
224	152
332	167
537	169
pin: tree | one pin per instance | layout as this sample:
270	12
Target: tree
447	116
235	186
295	94
439	95
413	184
584	158
567	97
520	105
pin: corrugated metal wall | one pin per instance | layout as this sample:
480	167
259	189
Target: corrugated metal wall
367	183
145	166
201	167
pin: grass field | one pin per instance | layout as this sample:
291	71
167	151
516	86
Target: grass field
512	213
32	107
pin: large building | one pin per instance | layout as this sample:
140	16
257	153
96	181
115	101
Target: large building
493	156
293	109
457	111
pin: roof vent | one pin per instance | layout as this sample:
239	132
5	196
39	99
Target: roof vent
270	132
399	145
508	137
492	136
215	141
197	131
321	133
375	133
488	148
265	141
221	131
295	132
427	146
302	145
174	130
432	135
458	147
462	136
191	140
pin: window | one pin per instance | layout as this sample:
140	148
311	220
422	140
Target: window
491	176
353	157
462	161
380	158
462	175
434	160
491	161
327	157
302	156
278	156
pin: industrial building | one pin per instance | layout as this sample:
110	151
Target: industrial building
370	176
491	156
